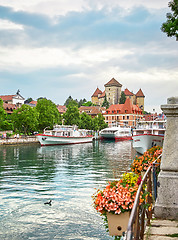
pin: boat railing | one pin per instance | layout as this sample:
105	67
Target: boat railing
140	216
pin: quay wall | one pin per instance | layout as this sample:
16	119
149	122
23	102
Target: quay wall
23	140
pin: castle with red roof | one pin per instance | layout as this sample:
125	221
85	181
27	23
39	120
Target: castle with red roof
126	114
112	93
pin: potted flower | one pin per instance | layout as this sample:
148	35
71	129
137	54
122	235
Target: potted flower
141	164
116	201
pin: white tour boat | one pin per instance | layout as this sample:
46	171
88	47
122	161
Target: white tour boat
63	134
119	133
148	134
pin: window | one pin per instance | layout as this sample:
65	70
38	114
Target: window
127	117
123	117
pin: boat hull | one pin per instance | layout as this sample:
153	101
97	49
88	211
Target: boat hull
46	140
116	138
142	143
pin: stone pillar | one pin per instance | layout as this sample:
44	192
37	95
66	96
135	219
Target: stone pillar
166	206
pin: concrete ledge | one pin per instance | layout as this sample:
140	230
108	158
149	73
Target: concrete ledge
15	141
159	230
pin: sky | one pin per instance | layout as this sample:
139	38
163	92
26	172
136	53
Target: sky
61	48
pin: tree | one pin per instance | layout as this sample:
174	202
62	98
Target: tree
69	99
101	122
28	100
81	102
88	104
72	115
122	98
3	115
25	119
105	103
170	27
48	113
85	121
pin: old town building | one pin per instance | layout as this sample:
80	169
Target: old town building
11	102
126	114
93	111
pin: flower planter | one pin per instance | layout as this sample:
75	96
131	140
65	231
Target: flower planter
117	223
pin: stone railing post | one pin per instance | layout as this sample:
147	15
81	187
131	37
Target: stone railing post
166	206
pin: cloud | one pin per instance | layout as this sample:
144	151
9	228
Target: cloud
83	28
76	48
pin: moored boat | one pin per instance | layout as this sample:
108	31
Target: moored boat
64	134
119	133
148	134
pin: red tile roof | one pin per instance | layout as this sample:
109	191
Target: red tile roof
7	97
127	92
33	102
139	93
102	95
61	109
126	108
97	91
113	82
9	107
92	110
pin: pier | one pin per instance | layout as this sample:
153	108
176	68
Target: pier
20	140
162	220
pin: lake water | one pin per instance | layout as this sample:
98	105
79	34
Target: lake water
30	175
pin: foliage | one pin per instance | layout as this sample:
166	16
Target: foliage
86	121
70	100
48	113
81	102
95	126
72	115
105	103
25	119
142	163
3	117
170	27
122	98
28	100
101	122
88	104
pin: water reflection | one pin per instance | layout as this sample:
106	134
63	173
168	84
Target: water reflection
30	175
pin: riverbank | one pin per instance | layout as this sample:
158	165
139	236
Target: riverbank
162	230
21	140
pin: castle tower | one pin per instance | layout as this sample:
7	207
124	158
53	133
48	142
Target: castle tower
95	96
130	95
140	99
113	91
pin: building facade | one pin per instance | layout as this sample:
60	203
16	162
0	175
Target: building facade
11	102
126	114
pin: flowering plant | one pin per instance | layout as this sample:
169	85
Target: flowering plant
142	163
118	196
